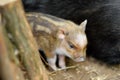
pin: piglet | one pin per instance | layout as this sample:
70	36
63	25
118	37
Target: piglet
60	37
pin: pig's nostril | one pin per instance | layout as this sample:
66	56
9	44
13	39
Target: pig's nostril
78	56
80	59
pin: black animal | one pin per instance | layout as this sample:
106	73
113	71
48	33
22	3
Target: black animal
103	29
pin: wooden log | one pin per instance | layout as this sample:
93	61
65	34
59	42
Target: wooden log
21	37
9	65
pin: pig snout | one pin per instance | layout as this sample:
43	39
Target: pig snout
79	58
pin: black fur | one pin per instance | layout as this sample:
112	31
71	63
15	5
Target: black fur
103	28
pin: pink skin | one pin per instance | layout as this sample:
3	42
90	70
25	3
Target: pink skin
52	61
61	63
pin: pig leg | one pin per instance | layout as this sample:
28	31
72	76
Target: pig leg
61	61
52	62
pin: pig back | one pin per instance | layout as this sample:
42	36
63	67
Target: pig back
45	28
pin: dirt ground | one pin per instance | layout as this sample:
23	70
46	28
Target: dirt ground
89	70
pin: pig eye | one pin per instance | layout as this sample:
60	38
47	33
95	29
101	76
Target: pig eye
71	46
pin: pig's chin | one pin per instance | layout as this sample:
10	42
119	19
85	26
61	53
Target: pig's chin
80	59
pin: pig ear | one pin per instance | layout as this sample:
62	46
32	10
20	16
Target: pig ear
61	34
83	25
